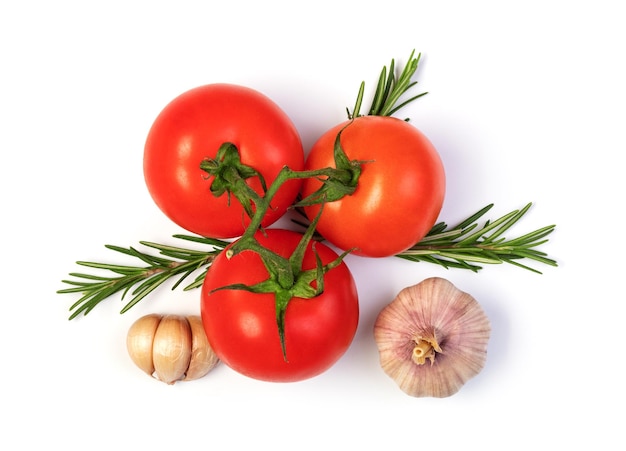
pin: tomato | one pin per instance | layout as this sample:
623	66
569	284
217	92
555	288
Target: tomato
399	194
242	328
191	128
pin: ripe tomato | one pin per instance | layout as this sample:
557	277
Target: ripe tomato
241	326
192	128
399	194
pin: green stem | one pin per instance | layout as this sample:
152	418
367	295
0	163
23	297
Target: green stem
337	182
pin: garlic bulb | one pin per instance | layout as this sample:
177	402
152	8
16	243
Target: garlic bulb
432	338
170	347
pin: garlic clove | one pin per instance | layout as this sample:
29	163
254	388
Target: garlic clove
171	351
432	338
170	348
203	359
140	339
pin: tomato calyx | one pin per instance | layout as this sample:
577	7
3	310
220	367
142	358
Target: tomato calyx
341	182
230	175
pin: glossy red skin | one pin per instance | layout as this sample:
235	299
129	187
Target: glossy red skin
241	327
191	128
400	191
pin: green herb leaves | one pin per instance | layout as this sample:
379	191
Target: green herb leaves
172	262
468	243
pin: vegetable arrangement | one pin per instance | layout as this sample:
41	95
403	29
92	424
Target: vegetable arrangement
225	163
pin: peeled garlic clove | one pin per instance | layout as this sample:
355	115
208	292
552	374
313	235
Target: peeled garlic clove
171	350
203	359
432	338
139	342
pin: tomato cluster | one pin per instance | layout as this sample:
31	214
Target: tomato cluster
277	305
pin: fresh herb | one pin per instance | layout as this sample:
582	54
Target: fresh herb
469	243
464	246
154	270
389	90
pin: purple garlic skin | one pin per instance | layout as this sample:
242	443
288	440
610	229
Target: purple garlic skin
432	338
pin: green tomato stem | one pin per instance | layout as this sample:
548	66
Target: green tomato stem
337	182
286	277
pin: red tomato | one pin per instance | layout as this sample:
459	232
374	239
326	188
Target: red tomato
193	127
241	326
400	191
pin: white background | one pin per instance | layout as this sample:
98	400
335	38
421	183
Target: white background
526	103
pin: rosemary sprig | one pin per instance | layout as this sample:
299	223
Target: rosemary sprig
464	246
174	261
467	244
389	90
